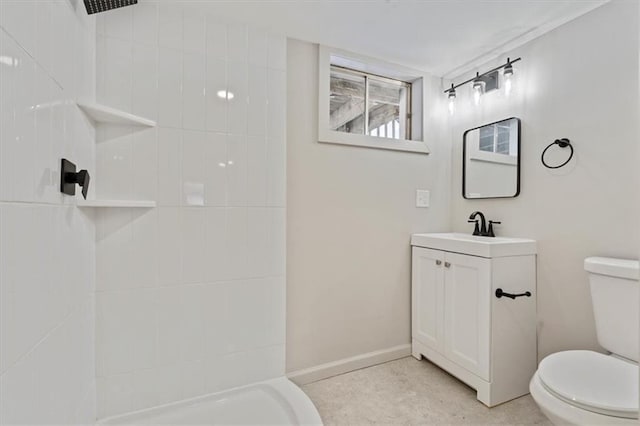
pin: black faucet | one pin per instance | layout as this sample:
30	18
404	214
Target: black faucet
482	229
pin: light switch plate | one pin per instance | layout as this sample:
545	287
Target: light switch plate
422	198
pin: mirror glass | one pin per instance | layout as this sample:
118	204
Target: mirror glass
491	160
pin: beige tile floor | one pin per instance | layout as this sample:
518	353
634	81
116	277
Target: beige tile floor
411	392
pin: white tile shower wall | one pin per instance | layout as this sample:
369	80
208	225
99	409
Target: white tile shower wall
47	244
191	295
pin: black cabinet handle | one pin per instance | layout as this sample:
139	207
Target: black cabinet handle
500	293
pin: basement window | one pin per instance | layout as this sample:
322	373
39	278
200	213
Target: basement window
369	103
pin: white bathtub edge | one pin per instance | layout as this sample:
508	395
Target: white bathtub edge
305	411
302	406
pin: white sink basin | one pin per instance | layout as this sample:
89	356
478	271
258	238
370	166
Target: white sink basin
474	245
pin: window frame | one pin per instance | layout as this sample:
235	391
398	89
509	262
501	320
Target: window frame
368	78
329	56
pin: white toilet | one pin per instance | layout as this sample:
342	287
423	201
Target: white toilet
586	387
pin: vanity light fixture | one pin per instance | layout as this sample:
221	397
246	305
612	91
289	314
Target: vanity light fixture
486	81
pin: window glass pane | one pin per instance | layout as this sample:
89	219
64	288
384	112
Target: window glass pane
388	101
486	138
502	142
497	138
346	101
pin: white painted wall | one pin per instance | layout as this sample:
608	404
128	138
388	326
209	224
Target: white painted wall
590	207
351	211
47	245
191	298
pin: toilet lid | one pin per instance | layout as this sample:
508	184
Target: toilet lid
592	381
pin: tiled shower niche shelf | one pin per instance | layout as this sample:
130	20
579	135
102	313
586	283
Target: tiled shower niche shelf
144	204
102	114
107	115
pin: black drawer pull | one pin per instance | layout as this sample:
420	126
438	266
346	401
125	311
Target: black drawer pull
500	293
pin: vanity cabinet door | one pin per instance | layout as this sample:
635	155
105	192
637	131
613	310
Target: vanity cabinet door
427	297
467	301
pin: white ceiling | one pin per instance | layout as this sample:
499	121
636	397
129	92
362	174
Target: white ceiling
438	36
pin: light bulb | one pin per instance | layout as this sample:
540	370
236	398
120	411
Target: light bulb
507	84
508	75
477	92
452	99
478	86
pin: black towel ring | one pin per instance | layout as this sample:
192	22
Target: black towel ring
562	143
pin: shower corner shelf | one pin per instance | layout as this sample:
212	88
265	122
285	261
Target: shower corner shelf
144	204
104	114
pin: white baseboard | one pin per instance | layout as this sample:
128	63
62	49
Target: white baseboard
330	369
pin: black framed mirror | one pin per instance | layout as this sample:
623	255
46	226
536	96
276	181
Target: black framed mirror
491	160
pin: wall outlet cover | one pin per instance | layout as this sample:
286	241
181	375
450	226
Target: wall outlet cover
422	198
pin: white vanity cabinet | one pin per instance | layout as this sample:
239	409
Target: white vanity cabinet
460	324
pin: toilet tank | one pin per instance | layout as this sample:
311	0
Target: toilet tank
615	294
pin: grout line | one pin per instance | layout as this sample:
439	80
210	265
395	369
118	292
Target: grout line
35	61
36	203
35	346
181	362
198	284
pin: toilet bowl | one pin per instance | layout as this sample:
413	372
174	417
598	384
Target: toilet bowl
586	388
589	388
